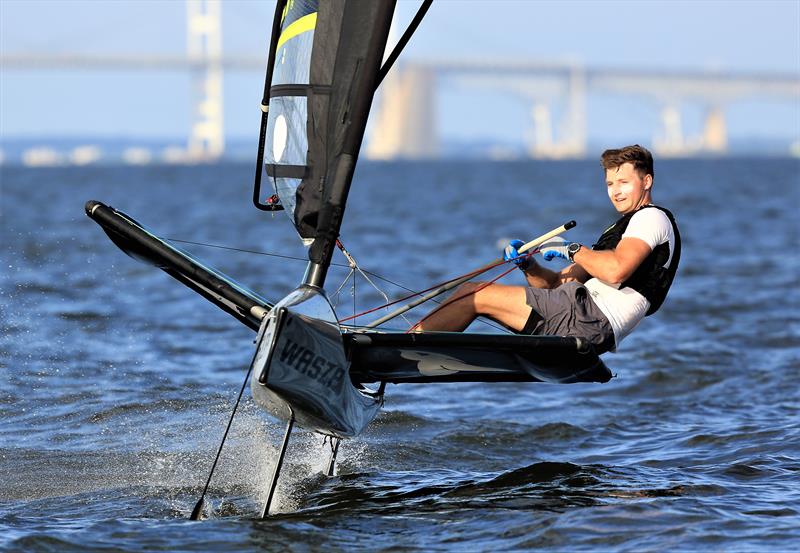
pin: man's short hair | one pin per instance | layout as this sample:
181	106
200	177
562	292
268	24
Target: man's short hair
640	157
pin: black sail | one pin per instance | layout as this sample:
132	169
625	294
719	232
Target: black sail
326	63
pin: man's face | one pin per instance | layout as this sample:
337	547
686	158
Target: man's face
626	189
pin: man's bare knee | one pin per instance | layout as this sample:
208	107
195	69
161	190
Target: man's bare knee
486	296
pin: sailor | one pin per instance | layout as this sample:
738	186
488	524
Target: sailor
606	290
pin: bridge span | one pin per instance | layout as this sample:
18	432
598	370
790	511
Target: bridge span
406	125
404	120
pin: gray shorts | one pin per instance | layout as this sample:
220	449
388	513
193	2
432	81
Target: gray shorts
568	311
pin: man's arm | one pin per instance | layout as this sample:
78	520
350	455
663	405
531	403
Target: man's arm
539	277
613	266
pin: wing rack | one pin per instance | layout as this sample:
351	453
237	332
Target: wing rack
468	357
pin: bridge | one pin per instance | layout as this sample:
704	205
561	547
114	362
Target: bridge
404	119
408	128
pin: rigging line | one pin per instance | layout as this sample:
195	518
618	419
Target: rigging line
481	319
282	256
365	272
382	293
414	294
243	250
198	508
412	27
339	289
295	258
386	280
268	254
354	293
292	257
453	300
469	274
354	267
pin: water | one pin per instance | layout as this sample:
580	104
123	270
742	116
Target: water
117	381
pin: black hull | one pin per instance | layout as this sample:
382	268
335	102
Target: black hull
468	357
301	371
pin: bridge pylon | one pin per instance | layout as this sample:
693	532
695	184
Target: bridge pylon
204	47
671	142
405	126
715	134
542	135
569	140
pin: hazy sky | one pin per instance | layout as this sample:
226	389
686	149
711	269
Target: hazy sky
720	35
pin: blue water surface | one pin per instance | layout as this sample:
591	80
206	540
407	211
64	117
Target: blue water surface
117	381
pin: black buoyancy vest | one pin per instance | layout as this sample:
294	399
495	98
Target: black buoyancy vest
651	279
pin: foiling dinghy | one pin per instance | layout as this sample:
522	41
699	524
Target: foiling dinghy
325	64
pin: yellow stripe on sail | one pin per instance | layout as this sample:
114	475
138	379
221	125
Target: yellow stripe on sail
302	25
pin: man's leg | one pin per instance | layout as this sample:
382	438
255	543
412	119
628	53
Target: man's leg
504	304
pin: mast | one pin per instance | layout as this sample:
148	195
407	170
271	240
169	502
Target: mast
364	55
331	214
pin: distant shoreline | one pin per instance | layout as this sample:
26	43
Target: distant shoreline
83	151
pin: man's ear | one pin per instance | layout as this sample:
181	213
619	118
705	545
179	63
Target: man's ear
648	182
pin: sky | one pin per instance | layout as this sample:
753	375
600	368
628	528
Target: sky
731	35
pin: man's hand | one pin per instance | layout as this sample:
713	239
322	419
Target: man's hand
554	247
511	253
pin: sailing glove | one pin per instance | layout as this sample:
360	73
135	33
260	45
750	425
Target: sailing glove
554	247
511	253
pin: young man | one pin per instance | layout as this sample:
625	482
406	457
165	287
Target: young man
606	290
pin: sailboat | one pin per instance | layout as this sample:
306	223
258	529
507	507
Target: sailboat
326	60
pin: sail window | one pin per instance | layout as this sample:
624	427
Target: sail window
279	137
286	161
286	131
